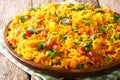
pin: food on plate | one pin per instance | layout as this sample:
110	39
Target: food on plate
68	36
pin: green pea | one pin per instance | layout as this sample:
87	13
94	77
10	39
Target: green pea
79	66
80	38
111	40
87	49
77	43
41	46
102	28
22	18
87	43
24	35
107	58
88	22
117	35
75	28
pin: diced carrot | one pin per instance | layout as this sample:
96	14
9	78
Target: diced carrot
13	41
28	33
118	28
50	45
73	63
81	50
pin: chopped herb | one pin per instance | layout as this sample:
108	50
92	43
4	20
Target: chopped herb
117	35
77	44
84	13
87	49
32	9
64	21
95	42
56	13
39	21
78	9
32	30
87	43
110	27
75	28
22	18
64	38
49	13
24	35
111	40
95	35
116	18
89	39
99	10
79	66
53	33
102	28
108	22
80	38
107	58
69	6
41	46
51	54
88	22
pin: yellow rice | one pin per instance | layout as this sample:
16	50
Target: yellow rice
67	36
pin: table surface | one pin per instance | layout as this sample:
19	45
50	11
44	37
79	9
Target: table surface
8	8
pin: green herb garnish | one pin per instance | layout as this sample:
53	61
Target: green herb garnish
39	21
41	46
87	43
75	28
79	66
51	54
80	38
22	18
87	49
64	21
77	43
107	58
88	22
116	18
117	35
78	9
24	35
64	38
102	28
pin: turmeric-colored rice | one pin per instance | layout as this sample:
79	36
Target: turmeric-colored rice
67	36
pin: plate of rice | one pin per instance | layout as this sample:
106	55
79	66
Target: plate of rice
66	40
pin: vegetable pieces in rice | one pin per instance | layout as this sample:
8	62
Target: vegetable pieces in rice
67	36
